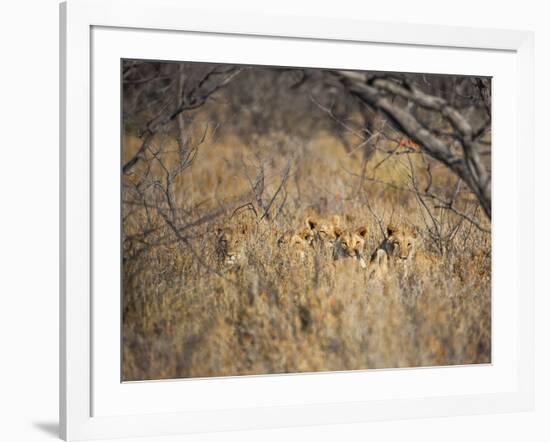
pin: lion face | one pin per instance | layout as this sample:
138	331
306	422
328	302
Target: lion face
230	244
350	244
297	242
401	241
325	230
298	238
302	238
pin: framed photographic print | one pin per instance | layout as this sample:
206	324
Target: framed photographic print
281	221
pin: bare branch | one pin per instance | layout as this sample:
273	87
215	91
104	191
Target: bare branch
468	166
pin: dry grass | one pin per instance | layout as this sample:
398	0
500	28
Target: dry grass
274	313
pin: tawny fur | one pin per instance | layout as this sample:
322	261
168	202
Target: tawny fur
230	242
399	250
349	244
298	242
325	229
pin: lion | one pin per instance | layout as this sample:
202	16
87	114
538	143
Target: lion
350	243
297	241
400	250
230	244
325	229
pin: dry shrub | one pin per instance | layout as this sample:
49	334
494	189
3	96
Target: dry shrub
276	313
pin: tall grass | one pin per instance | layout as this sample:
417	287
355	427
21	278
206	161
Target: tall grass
186	314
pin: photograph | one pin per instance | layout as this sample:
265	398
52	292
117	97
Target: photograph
285	219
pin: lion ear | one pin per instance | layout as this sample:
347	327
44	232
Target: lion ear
362	231
335	220
312	222
391	229
338	232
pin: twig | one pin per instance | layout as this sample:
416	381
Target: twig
283	181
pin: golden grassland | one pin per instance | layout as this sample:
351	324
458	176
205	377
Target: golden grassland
186	314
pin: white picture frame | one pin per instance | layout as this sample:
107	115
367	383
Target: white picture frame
90	408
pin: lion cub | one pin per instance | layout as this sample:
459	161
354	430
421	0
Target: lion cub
350	244
230	244
325	230
297	241
399	250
